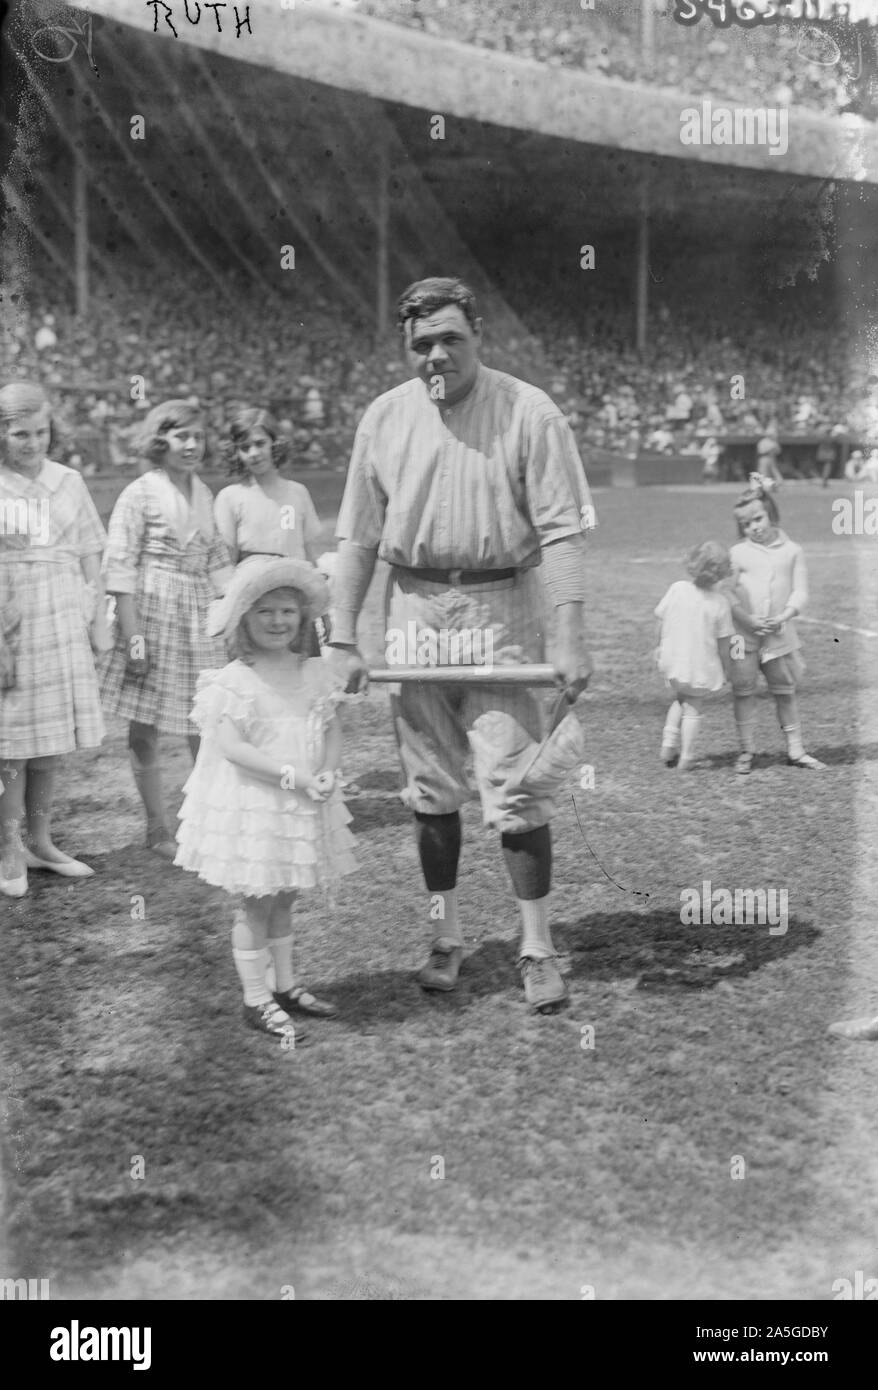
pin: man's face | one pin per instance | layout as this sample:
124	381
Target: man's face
443	350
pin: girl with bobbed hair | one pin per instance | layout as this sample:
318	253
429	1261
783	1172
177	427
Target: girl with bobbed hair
263	513
51	543
166	562
769	590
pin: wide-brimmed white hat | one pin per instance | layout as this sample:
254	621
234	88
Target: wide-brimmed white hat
258	575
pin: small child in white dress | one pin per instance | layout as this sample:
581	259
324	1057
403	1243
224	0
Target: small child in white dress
263	816
693	654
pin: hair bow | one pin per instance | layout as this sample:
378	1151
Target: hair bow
760	484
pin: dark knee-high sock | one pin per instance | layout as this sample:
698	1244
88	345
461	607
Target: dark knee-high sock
529	861
438	839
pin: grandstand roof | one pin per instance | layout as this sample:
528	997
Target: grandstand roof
238	161
386	61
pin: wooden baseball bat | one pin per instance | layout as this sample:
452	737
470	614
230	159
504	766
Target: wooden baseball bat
467	675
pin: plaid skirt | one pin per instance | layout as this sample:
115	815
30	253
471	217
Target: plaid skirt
173	607
54	706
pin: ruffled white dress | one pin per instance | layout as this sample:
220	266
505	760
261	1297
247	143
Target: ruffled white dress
244	834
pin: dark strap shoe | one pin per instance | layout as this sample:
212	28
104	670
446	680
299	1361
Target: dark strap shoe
301	1001
271	1018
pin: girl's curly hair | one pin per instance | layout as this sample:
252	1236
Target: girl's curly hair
708	563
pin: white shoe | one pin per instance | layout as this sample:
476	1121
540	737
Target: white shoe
805	760
859	1029
67	868
14	887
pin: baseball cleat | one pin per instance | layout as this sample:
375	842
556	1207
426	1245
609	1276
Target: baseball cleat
442	969
543	986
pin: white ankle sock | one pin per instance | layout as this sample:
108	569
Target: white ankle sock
536	939
671	731
793	736
251	967
281	951
690	722
444	920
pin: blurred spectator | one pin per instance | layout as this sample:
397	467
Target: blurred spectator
681	410
713	416
662	440
768	453
853	466
869	471
45	337
312	411
711	452
827	453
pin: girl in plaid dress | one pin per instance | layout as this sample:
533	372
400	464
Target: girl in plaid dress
51	542
165	562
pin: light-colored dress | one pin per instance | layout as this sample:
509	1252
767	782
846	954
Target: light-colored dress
252	523
169	554
693	621
768	578
245	834
48	524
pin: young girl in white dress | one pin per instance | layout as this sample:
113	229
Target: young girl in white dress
693	654
263	816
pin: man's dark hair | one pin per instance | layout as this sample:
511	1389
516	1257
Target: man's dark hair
426	296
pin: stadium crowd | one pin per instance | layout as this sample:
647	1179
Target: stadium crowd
786	372
832	67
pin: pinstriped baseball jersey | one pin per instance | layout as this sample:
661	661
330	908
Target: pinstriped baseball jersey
477	485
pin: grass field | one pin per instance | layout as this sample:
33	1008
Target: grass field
564	1166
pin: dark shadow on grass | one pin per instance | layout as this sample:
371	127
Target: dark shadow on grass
837	755
393	995
376	812
388	996
659	951
655	951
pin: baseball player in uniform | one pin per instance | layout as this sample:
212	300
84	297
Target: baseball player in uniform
468	483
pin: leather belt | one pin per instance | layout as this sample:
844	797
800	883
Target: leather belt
458	577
